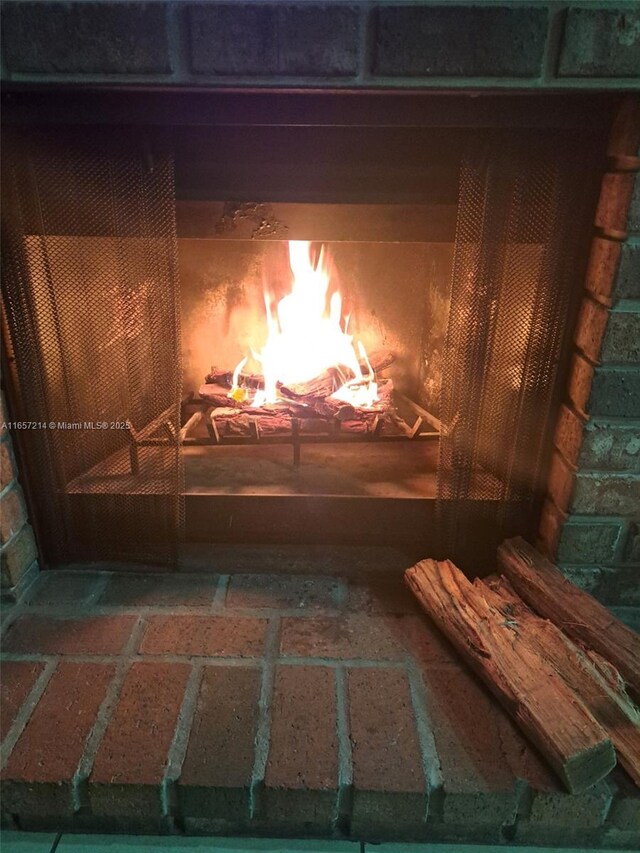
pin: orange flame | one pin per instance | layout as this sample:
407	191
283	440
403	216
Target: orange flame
305	335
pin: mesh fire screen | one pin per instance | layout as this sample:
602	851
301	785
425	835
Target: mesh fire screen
91	303
523	214
91	296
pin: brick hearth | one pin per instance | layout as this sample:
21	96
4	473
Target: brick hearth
268	706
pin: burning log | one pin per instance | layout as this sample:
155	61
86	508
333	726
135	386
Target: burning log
577	613
319	387
224	378
517	672
335	377
217	395
596	683
327	407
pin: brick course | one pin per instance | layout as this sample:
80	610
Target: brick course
410	749
615	392
98	635
81	38
610	445
622	337
216	776
439	41
273	39
627	283
130	764
17	679
12	514
301	779
601	43
204	635
606	493
134	590
7	472
354	44
390	788
590	540
286	591
351	636
37	778
17	556
479	783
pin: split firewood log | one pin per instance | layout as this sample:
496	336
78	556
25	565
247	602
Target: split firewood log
520	677
596	682
543	586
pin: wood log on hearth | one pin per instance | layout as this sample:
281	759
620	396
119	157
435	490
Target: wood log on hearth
596	682
578	614
527	685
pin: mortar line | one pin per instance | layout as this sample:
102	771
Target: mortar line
431	765
553	41
56	842
79	784
175	38
263	732
79	787
27	709
366	25
345	757
100	586
220	595
67	611
180	742
209	660
29	579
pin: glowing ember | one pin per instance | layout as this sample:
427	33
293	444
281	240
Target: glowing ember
305	337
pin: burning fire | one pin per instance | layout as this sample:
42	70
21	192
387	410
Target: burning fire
306	336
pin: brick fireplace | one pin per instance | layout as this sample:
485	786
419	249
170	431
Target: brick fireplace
593	527
281	595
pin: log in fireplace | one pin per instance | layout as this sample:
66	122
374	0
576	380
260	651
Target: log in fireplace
303	318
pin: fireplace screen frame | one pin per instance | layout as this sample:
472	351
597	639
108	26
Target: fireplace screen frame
458	513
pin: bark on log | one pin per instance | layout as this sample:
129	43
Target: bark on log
224	378
595	681
217	396
335	377
578	614
329	408
565	732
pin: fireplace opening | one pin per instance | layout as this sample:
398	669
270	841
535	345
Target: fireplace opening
308	334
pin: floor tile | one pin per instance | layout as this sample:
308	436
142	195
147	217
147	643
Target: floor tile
148	844
26	842
472	848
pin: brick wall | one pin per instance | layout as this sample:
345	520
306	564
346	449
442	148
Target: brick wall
592	514
439	43
18	553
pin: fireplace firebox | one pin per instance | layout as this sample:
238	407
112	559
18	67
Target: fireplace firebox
278	323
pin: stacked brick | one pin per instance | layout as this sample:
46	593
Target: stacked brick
591	517
311	706
18	554
326	44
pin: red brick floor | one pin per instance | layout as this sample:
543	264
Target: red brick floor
268	705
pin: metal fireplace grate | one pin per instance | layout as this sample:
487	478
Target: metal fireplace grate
523	215
90	297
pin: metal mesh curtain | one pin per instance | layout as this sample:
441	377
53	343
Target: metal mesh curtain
91	301
525	203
